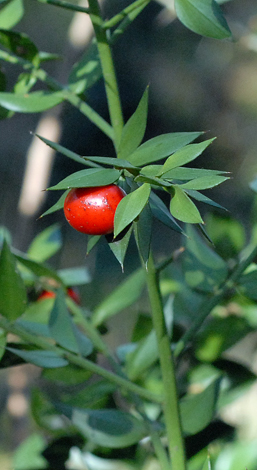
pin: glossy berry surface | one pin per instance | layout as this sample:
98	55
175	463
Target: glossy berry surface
92	210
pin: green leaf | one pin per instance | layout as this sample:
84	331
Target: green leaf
57	206
63	330
18	43
203	17
203	268
116	162
198	410
219	335
74	276
67	375
40	358
38	269
202	198
134	129
28	455
247	284
45	244
160	147
109	428
153	181
184	155
13	298
205	182
88	178
24	83
142	357
11	14
161	213
3	342
207	464
119	246
87	71
35	102
143	232
183	208
130	207
185	173
60	149
92	241
122	297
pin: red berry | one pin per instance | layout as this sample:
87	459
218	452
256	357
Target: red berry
49	294
91	210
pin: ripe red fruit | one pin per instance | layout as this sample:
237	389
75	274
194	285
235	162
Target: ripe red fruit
48	294
91	210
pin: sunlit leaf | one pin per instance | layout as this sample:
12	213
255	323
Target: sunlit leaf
87	71
18	43
203	17
35	102
11	14
184	155
182	208
205	182
88	178
134	129
160	147
45	244
122	297
130	207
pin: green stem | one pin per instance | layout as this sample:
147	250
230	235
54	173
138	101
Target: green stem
67	5
217	297
171	405
120	16
80	361
110	81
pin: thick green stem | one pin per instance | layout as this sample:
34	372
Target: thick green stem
171	405
110	81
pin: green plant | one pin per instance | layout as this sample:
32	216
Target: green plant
138	402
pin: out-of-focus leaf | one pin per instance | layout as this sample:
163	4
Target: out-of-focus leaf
13	298
160	147
28	455
161	213
67	375
237	455
203	268
227	234
182	207
144	355
24	83
198	410
40	358
87	71
2	342
92	395
248	284
134	129
34	102
63	330
203	17
11	14
38	269
184	155
219	335
74	276
207	464
109	428
143	232
122	297
88	178
45	244
18	43
130	207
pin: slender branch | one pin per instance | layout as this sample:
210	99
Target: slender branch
110	81
127	21
215	299
80	361
67	5
171	407
125	12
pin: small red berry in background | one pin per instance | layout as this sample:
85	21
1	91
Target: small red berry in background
49	294
91	210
